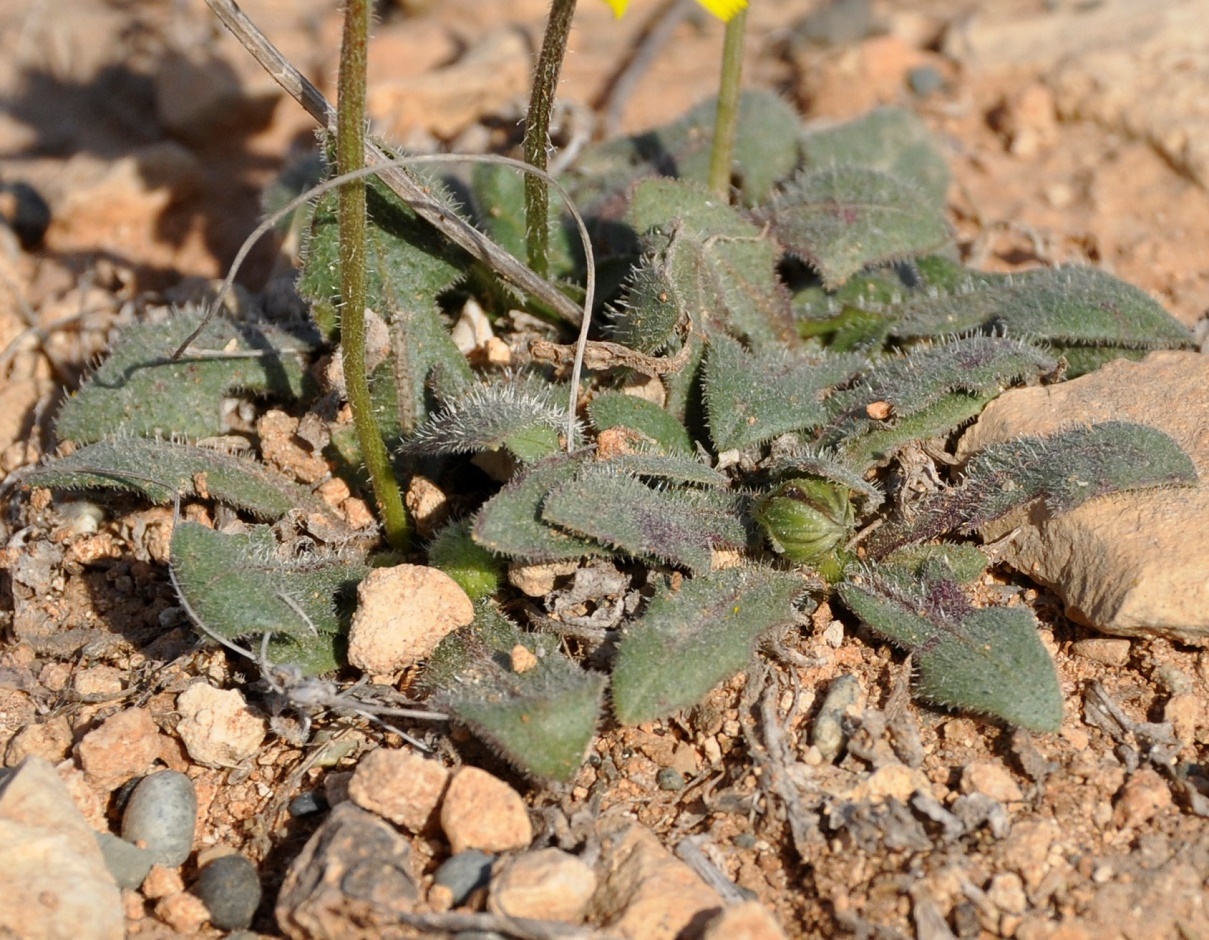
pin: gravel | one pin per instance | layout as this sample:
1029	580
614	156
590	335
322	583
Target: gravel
161	814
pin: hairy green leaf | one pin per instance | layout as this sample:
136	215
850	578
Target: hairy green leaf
238	587
522	413
1068	307
766	151
541	719
890	139
454	551
138	390
679	526
840	220
409	266
827	466
161	471
677	467
652	306
753	397
988	660
718	266
499	197
617	410
690	639
880	442
898	387
1063	470
511	523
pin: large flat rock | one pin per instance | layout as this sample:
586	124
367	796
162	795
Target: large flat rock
1135	66
1130	564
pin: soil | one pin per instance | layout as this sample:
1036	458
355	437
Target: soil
150	136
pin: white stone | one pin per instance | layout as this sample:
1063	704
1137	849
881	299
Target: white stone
218	728
402	614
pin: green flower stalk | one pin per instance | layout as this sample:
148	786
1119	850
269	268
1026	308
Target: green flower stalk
734	14
350	155
537	133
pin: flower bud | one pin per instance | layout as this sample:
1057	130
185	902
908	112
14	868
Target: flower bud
806	518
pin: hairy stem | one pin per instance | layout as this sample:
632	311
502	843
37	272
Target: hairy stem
350	156
720	157
537	132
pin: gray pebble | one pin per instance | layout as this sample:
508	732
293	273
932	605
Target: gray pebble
827	734
230	888
925	80
308	803
161	814
126	862
669	779
464	873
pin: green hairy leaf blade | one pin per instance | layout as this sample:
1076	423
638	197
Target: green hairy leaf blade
926	377
840	220
236	587
989	661
160	471
1075	306
541	720
766	151
617	410
1064	470
522	413
511	522
499	196
827	466
877	446
719	266
475	569
889	139
691	639
138	390
652	305
682	527
751	397
676	467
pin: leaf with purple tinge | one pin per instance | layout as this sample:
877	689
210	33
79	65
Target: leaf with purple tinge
843	219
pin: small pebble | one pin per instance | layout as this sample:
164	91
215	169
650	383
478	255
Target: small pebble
126	862
400	786
668	779
1173	680
230	888
124	745
1144	795
162	882
464	873
218	728
183	912
548	884
308	804
1111	651
480	811
161	815
924	80
827	734
991	778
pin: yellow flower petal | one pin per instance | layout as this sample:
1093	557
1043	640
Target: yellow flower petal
723	9
618	6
